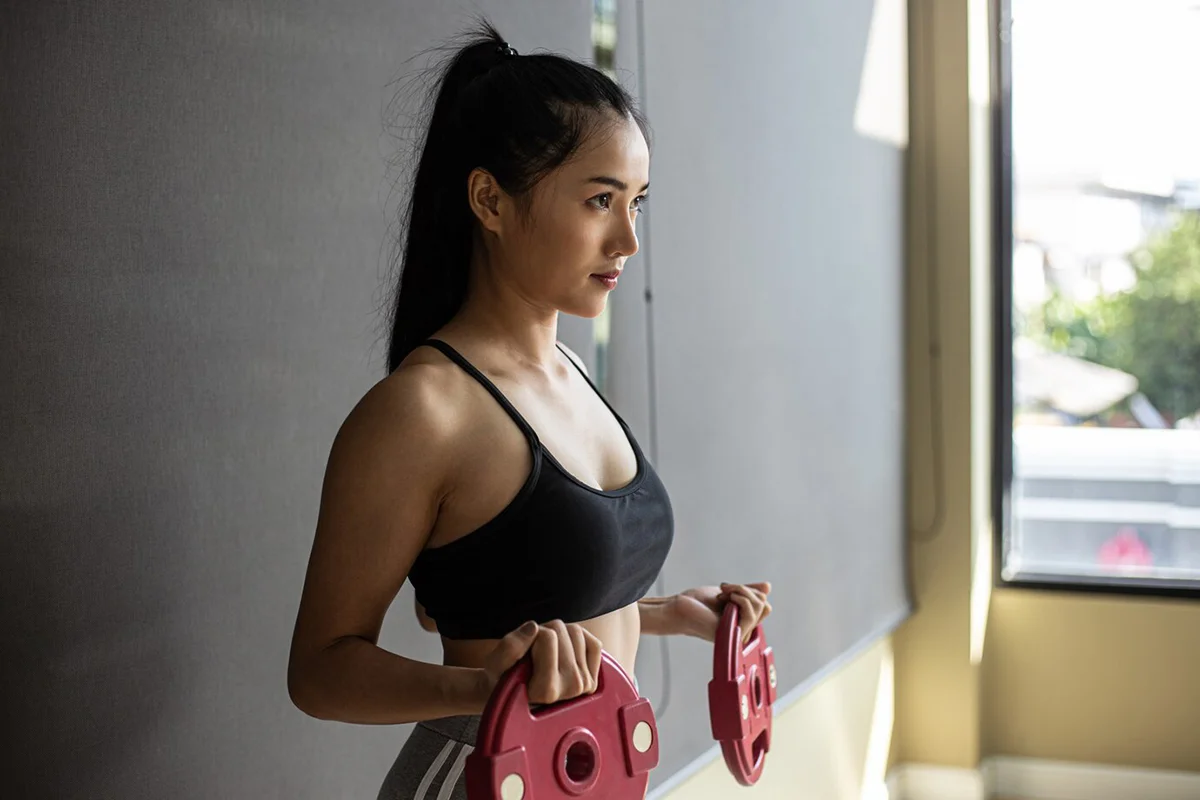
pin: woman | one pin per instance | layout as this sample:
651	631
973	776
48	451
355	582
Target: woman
486	467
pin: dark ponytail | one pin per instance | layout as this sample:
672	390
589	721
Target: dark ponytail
517	116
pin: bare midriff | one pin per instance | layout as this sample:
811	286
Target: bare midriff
619	632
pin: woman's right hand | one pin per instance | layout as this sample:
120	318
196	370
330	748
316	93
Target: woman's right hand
566	661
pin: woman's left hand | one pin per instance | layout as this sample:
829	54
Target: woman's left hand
698	611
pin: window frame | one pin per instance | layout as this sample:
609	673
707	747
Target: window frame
1000	21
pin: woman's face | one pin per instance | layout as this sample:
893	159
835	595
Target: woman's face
580	224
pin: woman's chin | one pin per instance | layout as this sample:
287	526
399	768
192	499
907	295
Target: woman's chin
588	308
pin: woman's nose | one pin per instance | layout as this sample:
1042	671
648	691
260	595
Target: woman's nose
625	243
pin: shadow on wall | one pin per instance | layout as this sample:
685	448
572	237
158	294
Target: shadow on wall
74	621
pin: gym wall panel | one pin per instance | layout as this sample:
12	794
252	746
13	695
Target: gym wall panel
772	341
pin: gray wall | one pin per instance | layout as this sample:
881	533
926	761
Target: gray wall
193	256
193	252
773	257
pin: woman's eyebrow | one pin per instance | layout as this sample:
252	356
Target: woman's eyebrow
615	183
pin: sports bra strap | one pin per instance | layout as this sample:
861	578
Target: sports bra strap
471	370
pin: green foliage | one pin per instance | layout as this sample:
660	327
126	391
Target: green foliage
1151	331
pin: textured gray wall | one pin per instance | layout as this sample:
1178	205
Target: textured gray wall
193	251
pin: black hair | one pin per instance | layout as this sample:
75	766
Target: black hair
517	116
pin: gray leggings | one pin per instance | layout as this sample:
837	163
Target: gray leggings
430	765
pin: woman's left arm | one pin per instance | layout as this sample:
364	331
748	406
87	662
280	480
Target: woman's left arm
697	612
655	613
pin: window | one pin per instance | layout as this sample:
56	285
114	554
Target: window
1098	278
604	51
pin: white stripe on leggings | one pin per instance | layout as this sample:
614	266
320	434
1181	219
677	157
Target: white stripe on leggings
455	770
434	769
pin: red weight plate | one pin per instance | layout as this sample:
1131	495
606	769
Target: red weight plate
602	745
740	697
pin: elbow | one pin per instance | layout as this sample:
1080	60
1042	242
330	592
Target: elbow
298	693
302	691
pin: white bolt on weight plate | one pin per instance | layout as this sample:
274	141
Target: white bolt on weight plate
643	737
513	788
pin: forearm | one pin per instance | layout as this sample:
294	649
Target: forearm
359	682
657	618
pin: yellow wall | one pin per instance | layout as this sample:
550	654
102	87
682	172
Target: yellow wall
937	687
1065	676
1098	679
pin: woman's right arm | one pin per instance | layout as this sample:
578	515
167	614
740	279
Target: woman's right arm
385	480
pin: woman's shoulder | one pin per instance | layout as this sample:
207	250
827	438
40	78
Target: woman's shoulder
423	399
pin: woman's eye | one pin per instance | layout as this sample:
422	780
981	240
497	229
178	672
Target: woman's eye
604	202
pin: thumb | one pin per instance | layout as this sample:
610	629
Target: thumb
515	645
521	639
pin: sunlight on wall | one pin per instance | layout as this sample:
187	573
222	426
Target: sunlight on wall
978	81
882	109
879	744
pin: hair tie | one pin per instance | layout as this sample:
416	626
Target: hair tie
505	50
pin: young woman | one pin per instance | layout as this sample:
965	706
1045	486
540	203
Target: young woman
485	467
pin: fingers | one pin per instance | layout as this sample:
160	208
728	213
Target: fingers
747	618
563	663
570	672
583	648
755	591
543	684
752	603
760	590
594	648
426	622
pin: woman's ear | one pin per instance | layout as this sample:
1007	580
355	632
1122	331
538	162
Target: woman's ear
487	200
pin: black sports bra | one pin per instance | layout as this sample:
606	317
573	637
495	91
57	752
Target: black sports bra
560	550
